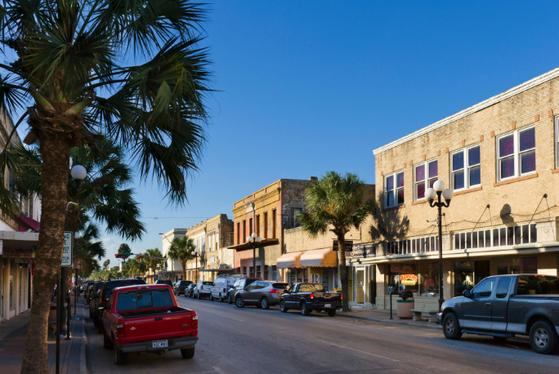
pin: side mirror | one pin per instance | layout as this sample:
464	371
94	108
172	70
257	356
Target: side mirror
468	294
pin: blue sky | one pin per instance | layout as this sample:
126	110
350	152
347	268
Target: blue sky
309	87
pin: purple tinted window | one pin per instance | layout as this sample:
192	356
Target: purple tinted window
458	161
507	167
506	146
528	162
400	180
390	183
421	190
420	173
527	139
432	182
433	169
459	180
390	198
401	196
473	156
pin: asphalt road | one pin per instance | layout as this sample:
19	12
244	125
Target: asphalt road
251	340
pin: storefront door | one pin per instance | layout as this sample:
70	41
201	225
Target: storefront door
360	286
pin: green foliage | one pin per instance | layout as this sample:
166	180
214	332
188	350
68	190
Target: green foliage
106	264
182	249
154	264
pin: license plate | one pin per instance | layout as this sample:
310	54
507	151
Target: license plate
160	344
327	305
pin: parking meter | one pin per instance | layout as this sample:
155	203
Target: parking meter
390	292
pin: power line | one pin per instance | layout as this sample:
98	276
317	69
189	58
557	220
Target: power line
174	217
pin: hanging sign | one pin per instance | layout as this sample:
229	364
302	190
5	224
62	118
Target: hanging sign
67	253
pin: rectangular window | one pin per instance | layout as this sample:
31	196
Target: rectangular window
425	175
250	226
244	231
466	170
265	225
516	153
238	233
294	213
274	232
394	189
258	225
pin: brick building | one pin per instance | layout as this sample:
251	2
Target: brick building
501	157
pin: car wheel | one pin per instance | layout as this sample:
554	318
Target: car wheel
107	343
543	338
283	308
264	304
331	312
305	310
229	299
220	298
187	352
239	302
451	327
198	295
119	356
211	297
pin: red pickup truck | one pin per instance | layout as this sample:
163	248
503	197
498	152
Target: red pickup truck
147	318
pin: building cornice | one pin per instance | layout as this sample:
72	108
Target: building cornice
473	109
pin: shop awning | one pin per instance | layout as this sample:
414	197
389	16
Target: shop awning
319	258
289	260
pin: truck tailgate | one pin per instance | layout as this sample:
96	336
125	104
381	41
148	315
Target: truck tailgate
158	326
326	298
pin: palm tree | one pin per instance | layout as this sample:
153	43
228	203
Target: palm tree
88	247
153	259
337	204
130	69
182	249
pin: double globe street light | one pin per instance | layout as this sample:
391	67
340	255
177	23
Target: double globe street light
254	239
436	192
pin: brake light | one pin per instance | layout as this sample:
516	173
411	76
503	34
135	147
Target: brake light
194	320
341	296
312	296
224	290
273	291
120	329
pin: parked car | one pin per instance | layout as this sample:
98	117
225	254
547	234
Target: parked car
507	305
202	289
260	293
180	287
239	284
164	281
308	297
92	296
142	318
104	295
87	289
189	291
221	288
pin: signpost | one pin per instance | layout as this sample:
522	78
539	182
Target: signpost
66	262
67	253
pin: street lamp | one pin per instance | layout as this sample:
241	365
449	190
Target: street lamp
254	239
437	191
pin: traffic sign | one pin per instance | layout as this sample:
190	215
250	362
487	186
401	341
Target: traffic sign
67	253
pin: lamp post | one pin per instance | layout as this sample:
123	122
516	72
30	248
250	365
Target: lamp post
254	239
437	191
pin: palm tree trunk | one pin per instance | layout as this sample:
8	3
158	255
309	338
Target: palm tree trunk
183	264
343	272
55	150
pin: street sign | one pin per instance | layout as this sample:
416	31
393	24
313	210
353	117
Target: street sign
67	253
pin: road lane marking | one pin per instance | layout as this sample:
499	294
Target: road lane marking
357	350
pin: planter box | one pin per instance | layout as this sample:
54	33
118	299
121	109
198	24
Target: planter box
404	308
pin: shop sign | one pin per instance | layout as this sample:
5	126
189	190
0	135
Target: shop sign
362	251
67	250
408	279
13	252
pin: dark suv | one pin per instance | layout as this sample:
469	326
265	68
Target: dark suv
164	281
239	285
92	296
105	294
180	286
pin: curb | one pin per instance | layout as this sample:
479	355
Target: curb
427	325
83	362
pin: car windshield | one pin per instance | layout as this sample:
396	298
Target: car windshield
143	299
538	285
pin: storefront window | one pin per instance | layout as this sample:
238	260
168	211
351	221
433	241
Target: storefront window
403	276
524	265
429	279
463	276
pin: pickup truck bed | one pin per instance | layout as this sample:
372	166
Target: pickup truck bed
146	318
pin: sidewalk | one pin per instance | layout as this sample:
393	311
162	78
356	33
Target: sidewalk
381	315
13	334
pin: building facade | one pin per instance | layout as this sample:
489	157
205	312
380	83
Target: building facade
501	158
174	268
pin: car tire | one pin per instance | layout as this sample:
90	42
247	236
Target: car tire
198	295
211	297
187	352
543	338
119	356
283	308
229	299
331	312
264	304
305	309
239	302
220	298
107	343
451	327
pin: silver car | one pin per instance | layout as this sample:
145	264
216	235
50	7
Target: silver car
263	294
203	289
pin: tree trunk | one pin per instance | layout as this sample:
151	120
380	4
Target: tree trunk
55	150
343	271
183	264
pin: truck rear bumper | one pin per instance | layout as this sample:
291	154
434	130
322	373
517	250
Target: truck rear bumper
147	345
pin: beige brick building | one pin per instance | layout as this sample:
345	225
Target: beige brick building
501	157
